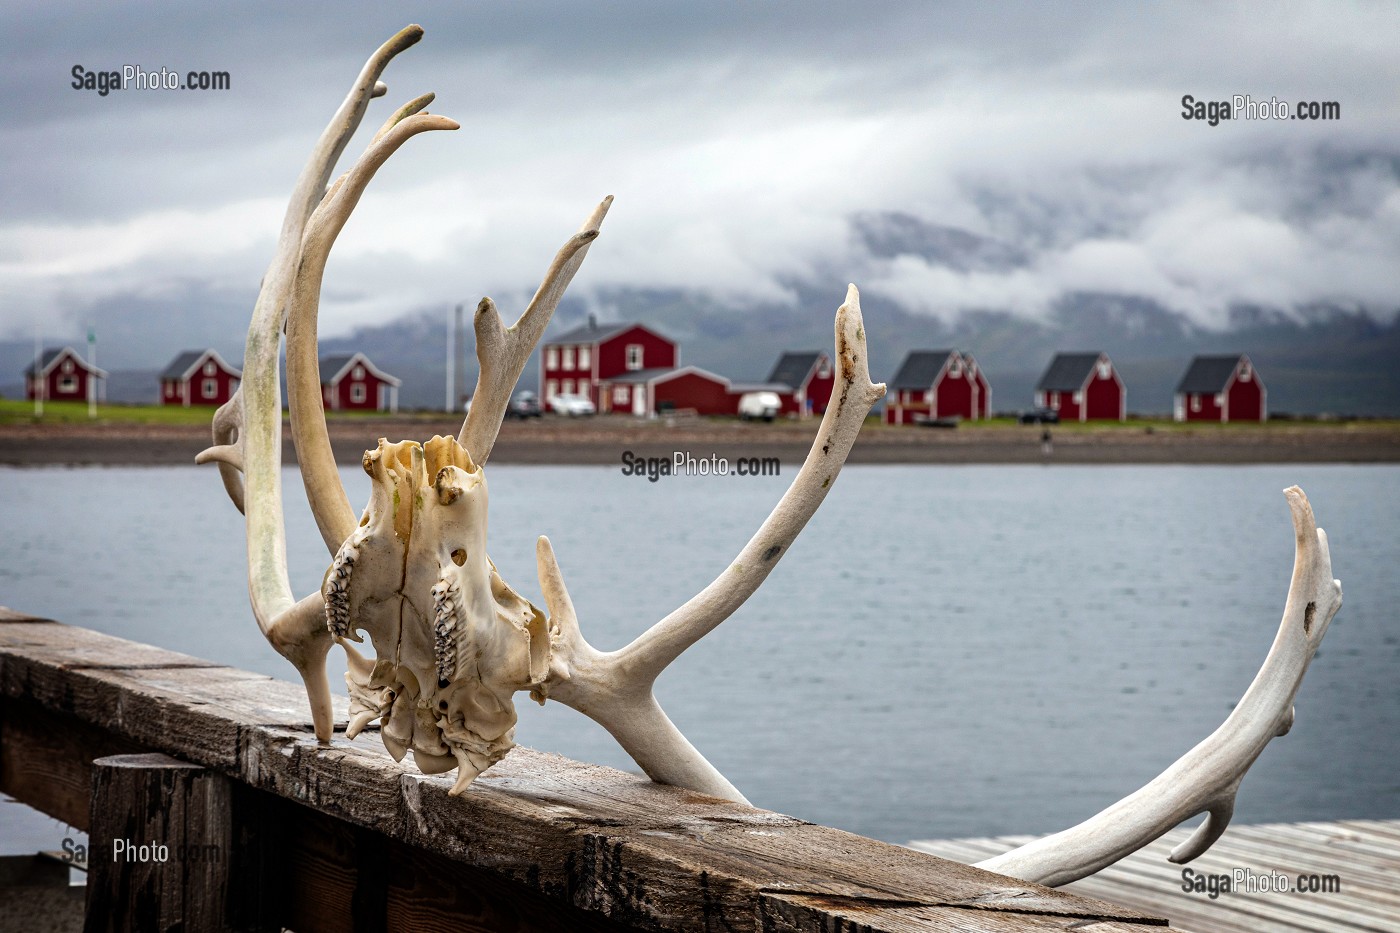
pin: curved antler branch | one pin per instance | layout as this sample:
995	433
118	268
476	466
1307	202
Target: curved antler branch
1208	776
324	491
248	431
502	353
615	688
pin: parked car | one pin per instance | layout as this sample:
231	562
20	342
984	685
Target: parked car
524	405
765	405
1040	416
571	405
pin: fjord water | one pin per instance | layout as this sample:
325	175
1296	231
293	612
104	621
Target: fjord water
945	651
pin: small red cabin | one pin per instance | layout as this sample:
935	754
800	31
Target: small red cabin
198	377
935	384
352	383
649	391
803	382
63	376
1083	387
1221	388
582	360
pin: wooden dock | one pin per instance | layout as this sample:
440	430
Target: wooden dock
1360	858
270	830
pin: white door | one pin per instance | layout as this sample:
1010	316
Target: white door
639	400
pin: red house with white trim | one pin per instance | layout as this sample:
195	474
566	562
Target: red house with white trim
607	363
935	384
1221	388
803	381
1083	387
198	377
350	382
63	376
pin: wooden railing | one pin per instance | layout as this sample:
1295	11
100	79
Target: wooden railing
265	829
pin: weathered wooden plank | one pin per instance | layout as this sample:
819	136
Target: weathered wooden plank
561	834
46	759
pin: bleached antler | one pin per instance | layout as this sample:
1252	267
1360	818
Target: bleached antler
615	688
248	430
1207	777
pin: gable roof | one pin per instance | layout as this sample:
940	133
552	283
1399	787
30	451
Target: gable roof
593	332
793	368
1068	372
183	366
1209	374
334	368
920	369
52	355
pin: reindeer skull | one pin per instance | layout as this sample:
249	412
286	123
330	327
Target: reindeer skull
453	642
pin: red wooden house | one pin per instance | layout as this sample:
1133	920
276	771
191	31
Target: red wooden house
63	376
350	382
803	381
605	363
1221	388
934	384
198	377
1083	387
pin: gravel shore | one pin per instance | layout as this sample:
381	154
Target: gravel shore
602	440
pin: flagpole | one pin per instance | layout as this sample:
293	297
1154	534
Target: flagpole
92	376
37	384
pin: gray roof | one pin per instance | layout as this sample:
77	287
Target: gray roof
919	369
181	366
593	332
1209	373
332	365
792	368
1068	372
49	356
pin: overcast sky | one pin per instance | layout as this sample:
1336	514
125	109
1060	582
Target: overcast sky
739	140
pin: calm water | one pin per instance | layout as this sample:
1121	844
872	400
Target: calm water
945	651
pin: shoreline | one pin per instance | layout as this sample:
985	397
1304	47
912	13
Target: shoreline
603	440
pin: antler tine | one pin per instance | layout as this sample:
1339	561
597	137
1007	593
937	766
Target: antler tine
324	491
1208	776
295	629
502	353
615	688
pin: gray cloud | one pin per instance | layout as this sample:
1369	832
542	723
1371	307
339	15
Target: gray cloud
740	141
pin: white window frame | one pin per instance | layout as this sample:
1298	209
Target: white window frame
210	369
621	396
585	358
1195	404
583	388
358	393
551	357
209	388
568	387
634	356
357	373
1105	369
1246	372
1079	397
67	383
1220	400
568	361
955	369
824	369
551	389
